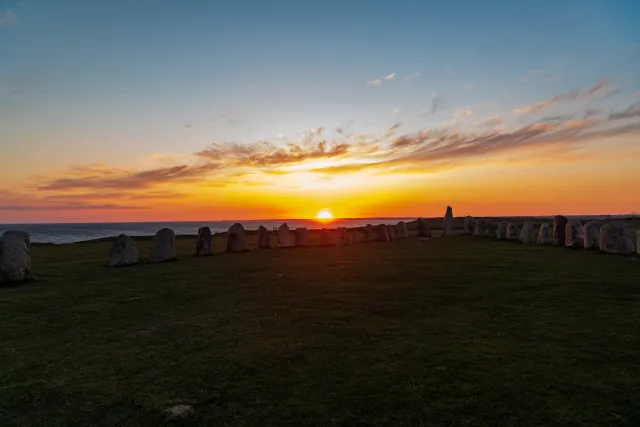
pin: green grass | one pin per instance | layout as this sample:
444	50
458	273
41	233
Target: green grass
446	332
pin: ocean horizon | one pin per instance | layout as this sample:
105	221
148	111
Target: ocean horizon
62	233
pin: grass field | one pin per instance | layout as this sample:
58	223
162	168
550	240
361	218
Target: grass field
446	332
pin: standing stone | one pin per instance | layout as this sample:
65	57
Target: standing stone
527	234
559	227
328	237
503	230
391	231
424	230
544	235
469	226
638	242
15	256
203	244
370	233
347	239
357	237
164	246
490	228
302	237
236	238
264	238
401	230
342	236
616	239
124	252
447	223
382	233
574	234
513	232
285	237
479	229
592	234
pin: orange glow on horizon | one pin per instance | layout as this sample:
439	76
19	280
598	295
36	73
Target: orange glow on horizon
324	215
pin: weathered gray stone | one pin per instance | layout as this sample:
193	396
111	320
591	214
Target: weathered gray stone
479	229
236	238
574	234
328	237
356	237
401	230
513	232
164	246
302	237
391	231
447	223
124	252
638	242
592	234
615	238
342	236
503	230
370	233
469	226
424	229
15	256
527	234
203	242
490	228
544	235
264	238
382	233
285	237
559	227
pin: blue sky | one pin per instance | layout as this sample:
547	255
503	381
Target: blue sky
114	81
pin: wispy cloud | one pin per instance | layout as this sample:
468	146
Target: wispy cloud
462	112
591	112
533	74
7	18
379	81
412	76
543	105
492	121
602	89
436	104
556	79
631	112
469	86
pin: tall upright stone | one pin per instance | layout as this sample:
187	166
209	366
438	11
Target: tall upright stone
527	234
513	232
615	238
401	230
285	237
264	238
490	228
469	225
503	230
328	237
203	242
15	256
638	242
424	229
574	234
370	233
164	246
236	238
447	222
391	231
479	229
342	236
544	235
357	236
382	233
559	227
302	237
592	234
124	252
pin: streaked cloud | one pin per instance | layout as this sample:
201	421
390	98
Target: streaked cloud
533	74
8	17
462	112
591	112
379	81
543	105
601	89
412	76
631	112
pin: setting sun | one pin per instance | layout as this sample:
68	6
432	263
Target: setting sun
324	215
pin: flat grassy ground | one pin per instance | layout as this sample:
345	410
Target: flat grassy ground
447	332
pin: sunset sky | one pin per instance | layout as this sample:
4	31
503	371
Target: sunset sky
202	110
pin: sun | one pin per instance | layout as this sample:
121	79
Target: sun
324	215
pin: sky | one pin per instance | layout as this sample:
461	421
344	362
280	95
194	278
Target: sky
208	110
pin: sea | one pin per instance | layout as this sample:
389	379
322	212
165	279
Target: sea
72	233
